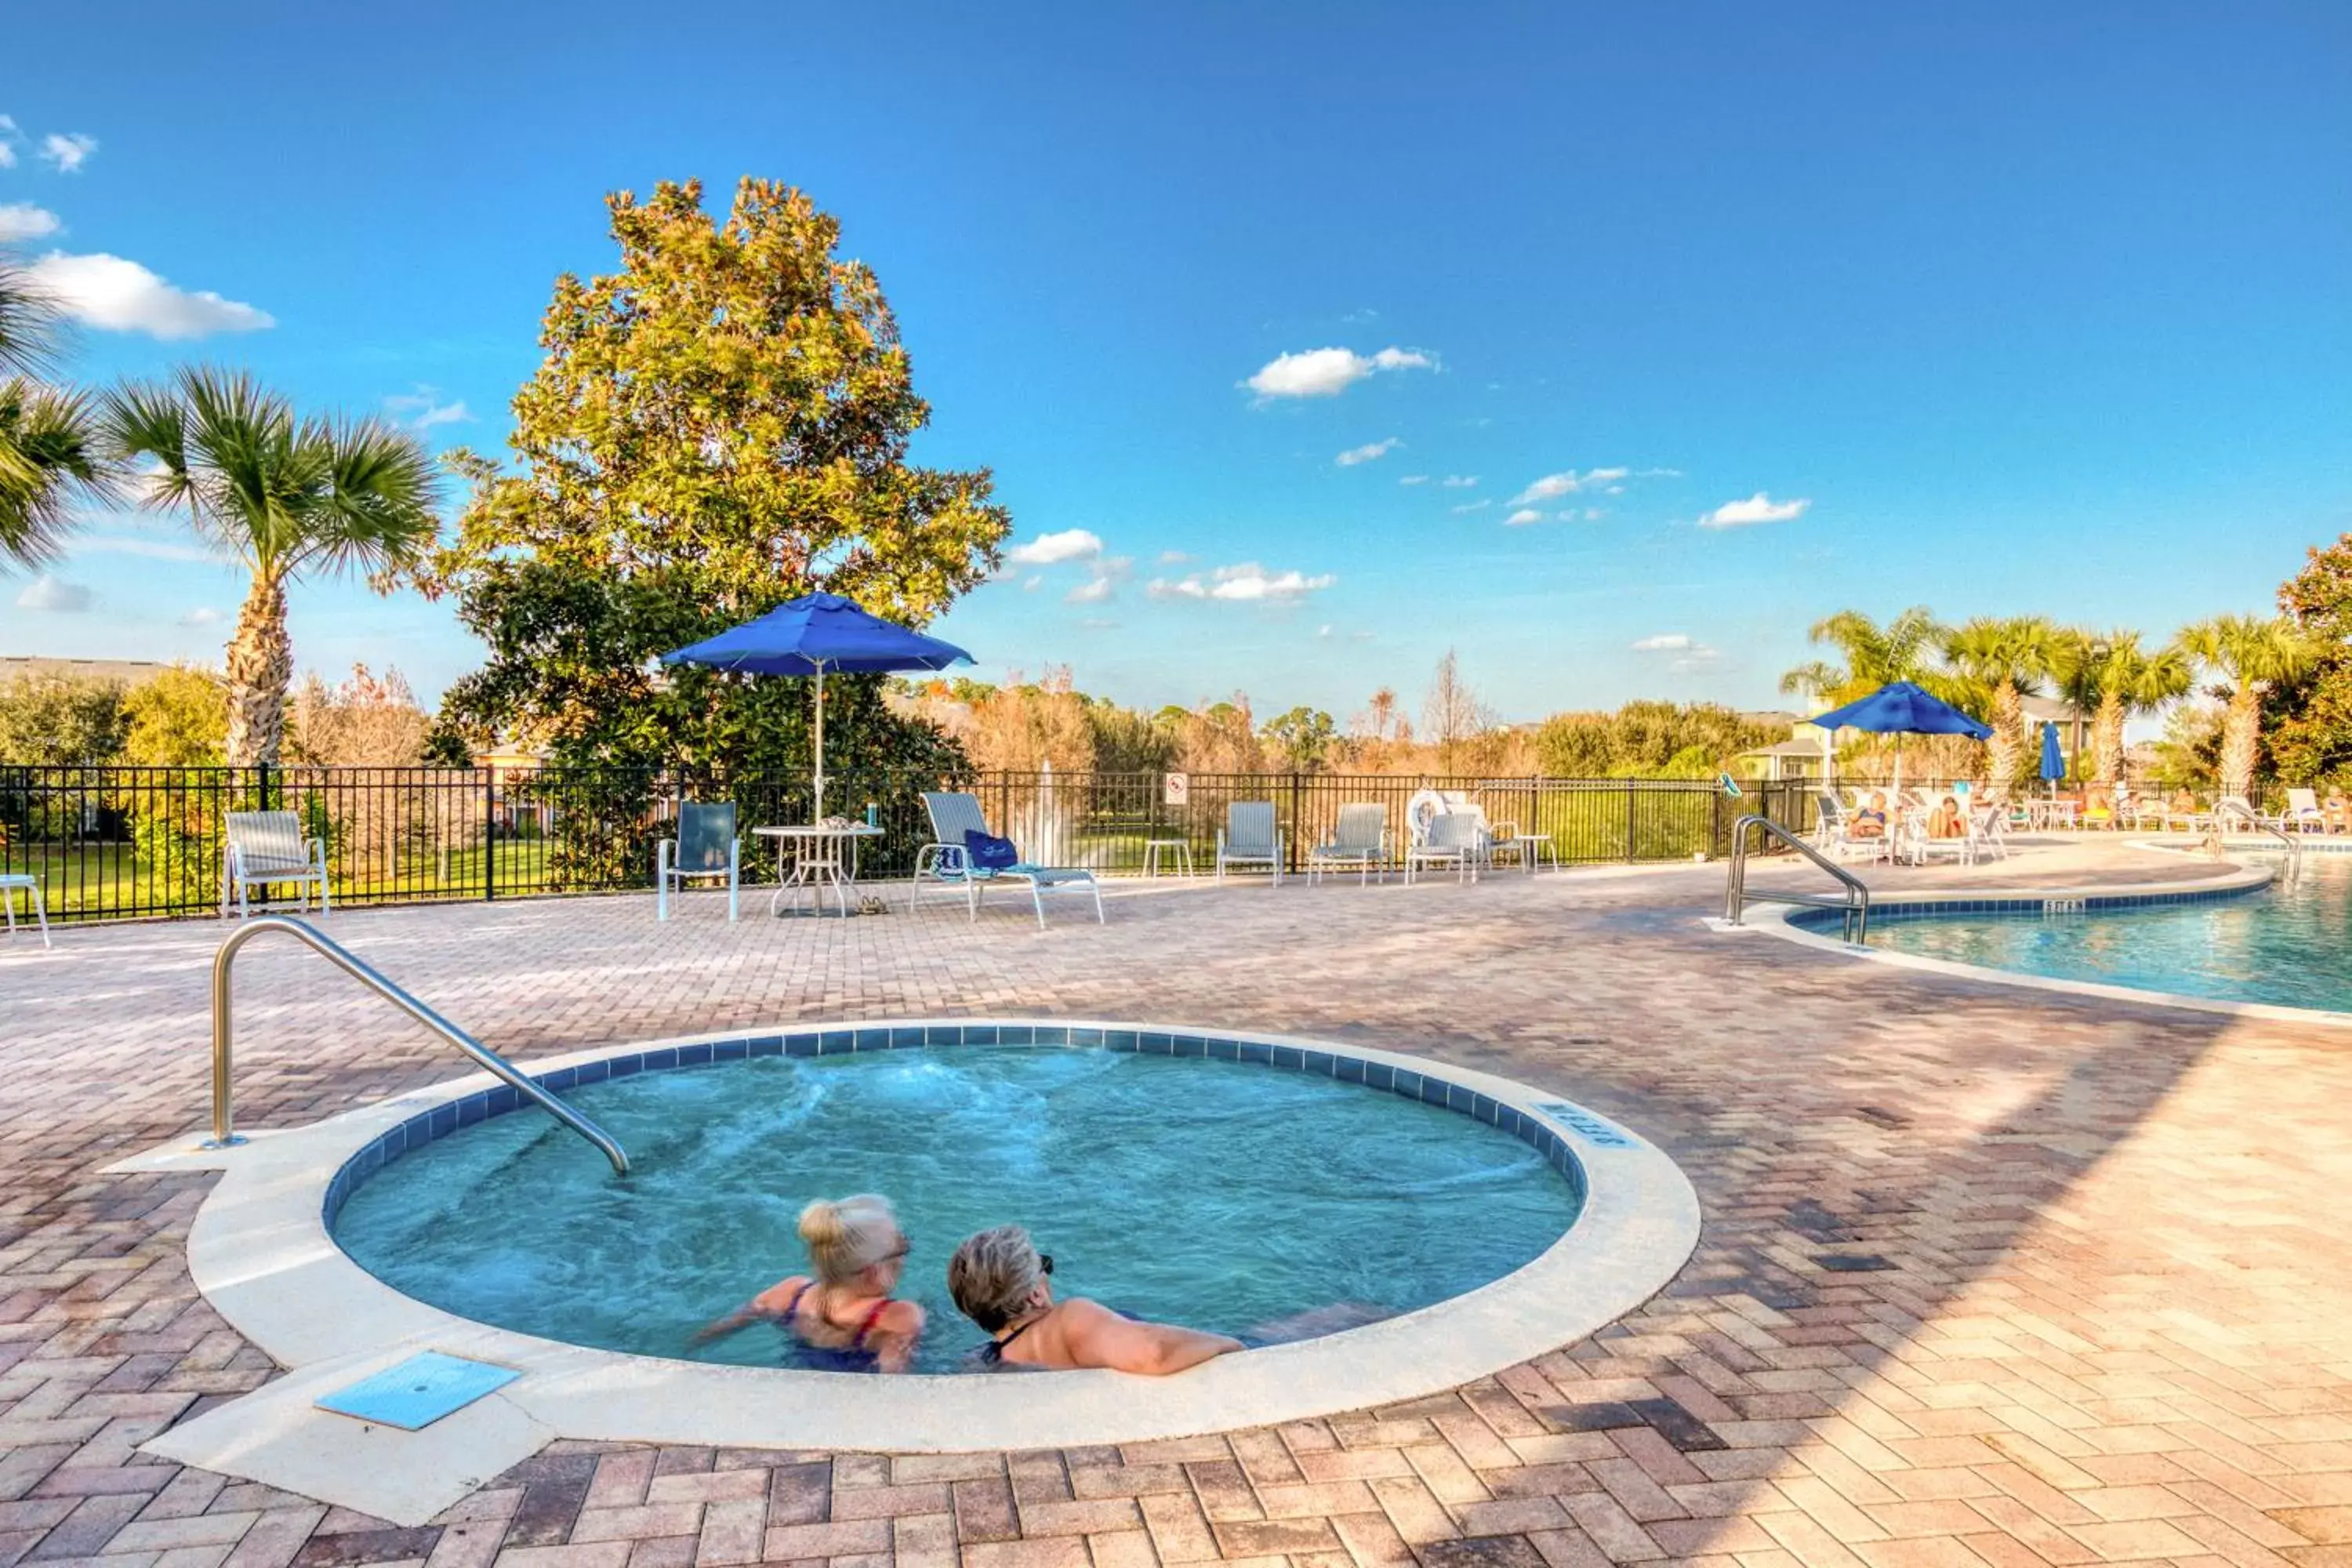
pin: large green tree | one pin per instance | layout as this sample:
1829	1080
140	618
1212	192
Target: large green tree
1875	656
50	453
2309	721
2248	654
2117	678
1996	661
719	425
282	495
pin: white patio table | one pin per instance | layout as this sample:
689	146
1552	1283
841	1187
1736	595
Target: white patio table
816	856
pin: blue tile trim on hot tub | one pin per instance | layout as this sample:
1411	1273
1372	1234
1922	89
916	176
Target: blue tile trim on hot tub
2019	906
1406	1083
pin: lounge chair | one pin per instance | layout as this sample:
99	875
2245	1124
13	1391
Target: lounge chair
1455	839
1250	837
705	849
1360	840
2303	812
1988	833
1838	840
11	883
946	863
266	848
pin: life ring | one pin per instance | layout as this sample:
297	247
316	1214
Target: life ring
1426	807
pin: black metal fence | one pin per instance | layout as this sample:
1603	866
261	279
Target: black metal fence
112	843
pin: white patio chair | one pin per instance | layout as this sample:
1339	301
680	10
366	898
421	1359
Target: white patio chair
1840	841
947	866
2303	812
1455	839
1359	840
1988	833
12	882
704	850
1250	837
266	848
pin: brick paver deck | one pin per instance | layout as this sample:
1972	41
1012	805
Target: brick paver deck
1990	1277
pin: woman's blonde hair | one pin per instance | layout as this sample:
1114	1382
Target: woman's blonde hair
846	1237
991	1275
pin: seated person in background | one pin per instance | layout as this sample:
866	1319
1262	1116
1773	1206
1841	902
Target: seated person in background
1003	1284
843	1320
1870	822
1947	821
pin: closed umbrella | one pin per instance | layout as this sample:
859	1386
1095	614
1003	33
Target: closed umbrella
812	635
2053	764
1902	708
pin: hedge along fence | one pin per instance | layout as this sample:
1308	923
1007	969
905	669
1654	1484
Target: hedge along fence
113	843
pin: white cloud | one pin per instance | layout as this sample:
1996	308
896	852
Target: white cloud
121	296
1370	452
1699	657
22	220
1591	514
1658	474
423	409
148	549
1173	557
1327	372
68	152
1414	480
1758	508
55	596
202	616
1524	516
1054	549
1606	476
1547	488
7	142
1459	481
1035	580
1247	583
1553	486
1097	624
1092	591
1472	506
1664	642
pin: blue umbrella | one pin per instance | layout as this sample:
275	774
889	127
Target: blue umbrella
811	636
2053	763
1902	708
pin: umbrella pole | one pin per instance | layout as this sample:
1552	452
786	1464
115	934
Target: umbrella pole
819	814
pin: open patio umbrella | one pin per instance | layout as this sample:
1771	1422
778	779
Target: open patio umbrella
1901	709
812	635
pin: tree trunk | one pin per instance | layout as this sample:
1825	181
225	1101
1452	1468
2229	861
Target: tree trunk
2108	741
2003	750
2241	728
260	666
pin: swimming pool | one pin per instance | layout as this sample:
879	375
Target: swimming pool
2289	944
1186	1188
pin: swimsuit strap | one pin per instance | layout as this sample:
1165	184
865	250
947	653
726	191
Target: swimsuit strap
793	1307
867	1327
995	1352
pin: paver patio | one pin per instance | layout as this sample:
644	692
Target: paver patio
1990	1275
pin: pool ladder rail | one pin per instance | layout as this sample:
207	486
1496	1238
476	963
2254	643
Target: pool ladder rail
1851	900
225	1134
2232	810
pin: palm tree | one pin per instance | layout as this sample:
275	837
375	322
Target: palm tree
2111	674
282	496
2250	654
1996	662
49	448
1902	649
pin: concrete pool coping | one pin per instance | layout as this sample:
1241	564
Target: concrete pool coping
261	1253
1783	921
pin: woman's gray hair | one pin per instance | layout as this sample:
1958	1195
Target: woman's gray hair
993	1274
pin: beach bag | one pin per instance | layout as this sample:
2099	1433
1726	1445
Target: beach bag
989	853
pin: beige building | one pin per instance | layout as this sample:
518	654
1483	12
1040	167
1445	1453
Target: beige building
129	671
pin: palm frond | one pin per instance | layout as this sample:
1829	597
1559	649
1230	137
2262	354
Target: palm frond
52	453
29	322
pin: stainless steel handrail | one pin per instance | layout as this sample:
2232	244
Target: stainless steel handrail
2240	810
1855	925
225	1134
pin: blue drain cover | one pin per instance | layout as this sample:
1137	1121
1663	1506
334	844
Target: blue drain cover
419	1391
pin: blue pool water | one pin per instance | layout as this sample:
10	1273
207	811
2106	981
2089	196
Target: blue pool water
2291	945
1222	1195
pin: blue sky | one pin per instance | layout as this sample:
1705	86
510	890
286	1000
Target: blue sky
2004	309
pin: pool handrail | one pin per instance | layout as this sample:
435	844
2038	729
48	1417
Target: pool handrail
1853	903
225	1133
2230	807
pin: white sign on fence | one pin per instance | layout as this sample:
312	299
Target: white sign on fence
1179	790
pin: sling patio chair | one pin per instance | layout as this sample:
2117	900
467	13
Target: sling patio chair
1455	839
29	884
1359	840
947	865
1250	837
704	850
266	848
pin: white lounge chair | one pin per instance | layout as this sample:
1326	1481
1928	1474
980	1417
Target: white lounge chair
1250	837
705	849
1840	842
1988	833
2303	812
1360	840
946	863
1457	838
266	848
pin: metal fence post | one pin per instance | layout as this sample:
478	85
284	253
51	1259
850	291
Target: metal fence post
1297	826
489	834
1629	822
